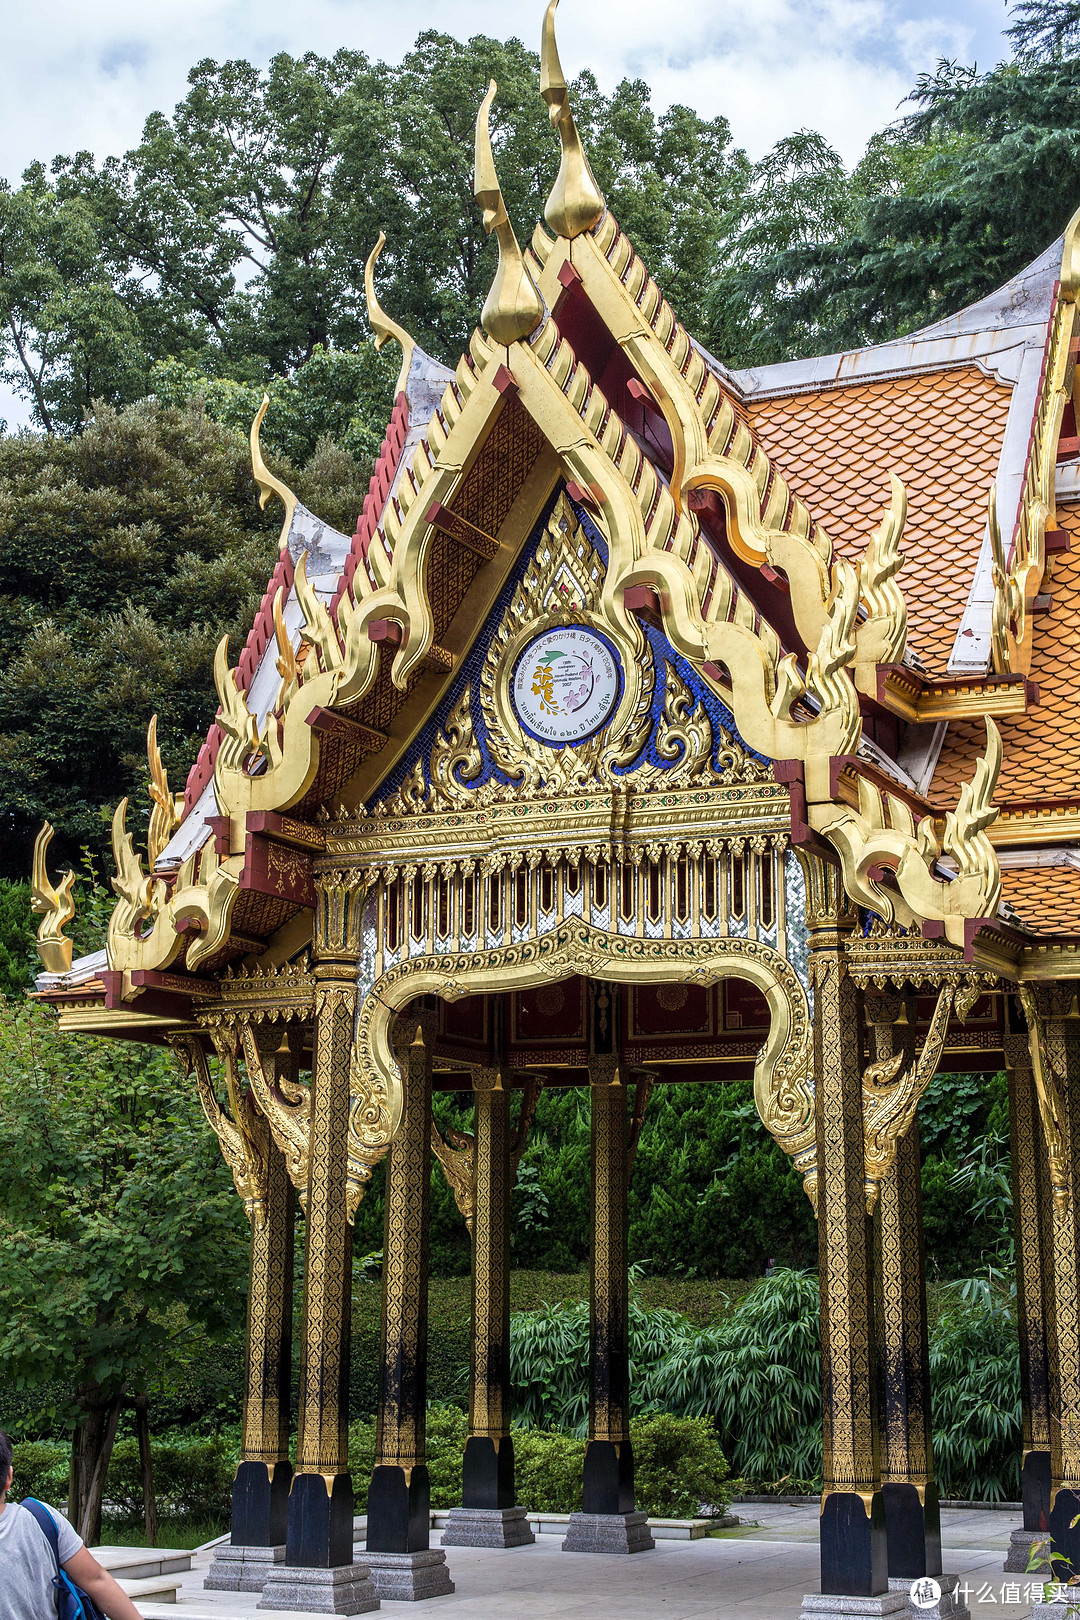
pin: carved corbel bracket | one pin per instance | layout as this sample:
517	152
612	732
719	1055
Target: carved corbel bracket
530	1096
456	1152
895	1082
241	1129
286	1106
1046	1068
644	1080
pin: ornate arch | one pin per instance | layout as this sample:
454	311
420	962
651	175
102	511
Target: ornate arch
783	1091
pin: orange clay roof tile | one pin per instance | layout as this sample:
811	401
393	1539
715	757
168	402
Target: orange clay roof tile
941	433
1041	749
1046	898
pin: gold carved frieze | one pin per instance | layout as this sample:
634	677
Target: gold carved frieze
782	1087
259	995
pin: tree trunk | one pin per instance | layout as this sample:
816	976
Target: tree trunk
91	1446
146	1466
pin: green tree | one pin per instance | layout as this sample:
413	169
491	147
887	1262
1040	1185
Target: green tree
119	1227
235	233
67	334
125	552
945	207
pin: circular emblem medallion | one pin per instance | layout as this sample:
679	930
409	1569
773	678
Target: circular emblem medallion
565	685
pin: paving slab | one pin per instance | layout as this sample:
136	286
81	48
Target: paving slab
757	1572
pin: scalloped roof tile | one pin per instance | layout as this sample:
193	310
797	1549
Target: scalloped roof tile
941	433
1041	748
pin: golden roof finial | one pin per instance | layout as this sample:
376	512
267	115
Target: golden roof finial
166	807
1070	260
381	324
513	307
55	907
575	202
268	484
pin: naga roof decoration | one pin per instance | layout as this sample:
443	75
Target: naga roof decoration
734	517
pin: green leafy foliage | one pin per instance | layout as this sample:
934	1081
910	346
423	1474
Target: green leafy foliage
757	1373
125	553
18	958
547	1470
231	240
678	1465
975	1386
119	1232
342	395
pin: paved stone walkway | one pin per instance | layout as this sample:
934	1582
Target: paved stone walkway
758	1572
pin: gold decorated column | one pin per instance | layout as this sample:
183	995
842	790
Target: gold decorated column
853	1547
321	1500
399	1499
489	1515
260	1502
1054	1049
912	1517
1032	1218
608	1480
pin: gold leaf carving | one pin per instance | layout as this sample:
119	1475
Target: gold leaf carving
241	1129
55	907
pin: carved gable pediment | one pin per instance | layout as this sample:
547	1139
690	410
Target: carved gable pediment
556	699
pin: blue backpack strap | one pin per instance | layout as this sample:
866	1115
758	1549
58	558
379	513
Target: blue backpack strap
71	1602
46	1524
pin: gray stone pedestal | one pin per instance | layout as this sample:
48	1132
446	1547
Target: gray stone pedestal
947	1606
829	1606
1062	1608
488	1527
409	1577
1019	1558
242	1569
343	1590
608	1533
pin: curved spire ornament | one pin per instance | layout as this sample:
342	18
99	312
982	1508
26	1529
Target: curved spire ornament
513	307
381	324
268	484
54	906
575	203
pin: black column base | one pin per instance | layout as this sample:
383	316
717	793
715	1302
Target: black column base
399	1510
854	1553
608	1478
260	1504
487	1474
1064	1539
1035	1490
320	1528
913	1531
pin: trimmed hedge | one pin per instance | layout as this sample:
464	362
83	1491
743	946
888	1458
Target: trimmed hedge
193	1476
202	1389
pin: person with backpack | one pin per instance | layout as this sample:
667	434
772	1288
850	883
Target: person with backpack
32	1557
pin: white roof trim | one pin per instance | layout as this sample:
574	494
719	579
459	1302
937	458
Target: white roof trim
972	647
999	354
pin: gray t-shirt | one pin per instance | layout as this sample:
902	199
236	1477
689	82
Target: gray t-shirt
26	1563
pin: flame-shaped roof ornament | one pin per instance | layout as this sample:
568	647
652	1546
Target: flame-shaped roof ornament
381	324
513	307
267	483
575	203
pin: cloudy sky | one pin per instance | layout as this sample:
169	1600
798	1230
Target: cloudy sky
85	76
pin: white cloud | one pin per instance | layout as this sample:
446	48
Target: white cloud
81	76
